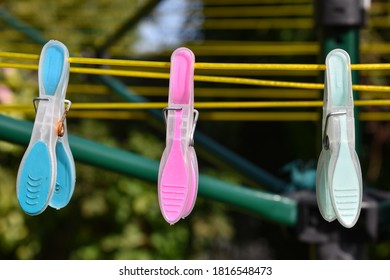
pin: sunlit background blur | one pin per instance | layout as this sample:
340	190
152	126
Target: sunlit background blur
115	216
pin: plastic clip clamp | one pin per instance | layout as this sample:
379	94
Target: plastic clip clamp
339	178
46	174
178	171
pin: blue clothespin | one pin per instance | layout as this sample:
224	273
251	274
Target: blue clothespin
46	173
339	178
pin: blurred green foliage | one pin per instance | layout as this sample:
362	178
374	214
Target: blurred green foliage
112	216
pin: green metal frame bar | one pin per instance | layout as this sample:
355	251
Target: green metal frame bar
270	206
27	30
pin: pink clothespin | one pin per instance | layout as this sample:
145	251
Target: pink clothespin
178	172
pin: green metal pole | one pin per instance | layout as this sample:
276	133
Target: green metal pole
29	31
273	207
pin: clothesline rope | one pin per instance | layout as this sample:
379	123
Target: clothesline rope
198	65
198	105
200	78
218	116
211	92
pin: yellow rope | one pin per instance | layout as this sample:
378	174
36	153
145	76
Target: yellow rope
253	2
220	116
114	72
259	11
117	115
19	55
259	116
374	116
203	91
201	78
229	92
371	88
371	66
213	79
275	10
258	66
198	105
244	49
283	116
19	66
223	48
257	82
119	62
368	92
198	65
269	23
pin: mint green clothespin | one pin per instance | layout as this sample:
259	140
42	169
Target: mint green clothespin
339	178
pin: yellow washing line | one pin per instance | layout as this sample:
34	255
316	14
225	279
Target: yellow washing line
219	116
283	116
199	78
253	2
259	11
275	10
269	23
202	92
227	92
224	92
198	65
276	49
229	80
276	23
198	105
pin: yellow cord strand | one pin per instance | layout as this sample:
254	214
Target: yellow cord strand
19	55
229	92
114	72
259	116
219	116
198	105
198	65
264	66
225	92
201	78
259	11
269	23
257	82
213	79
18	66
119	62
252	2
